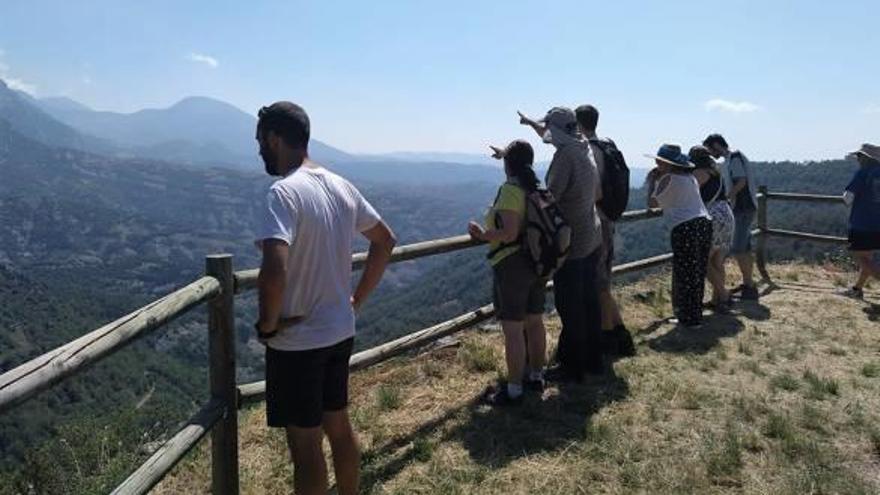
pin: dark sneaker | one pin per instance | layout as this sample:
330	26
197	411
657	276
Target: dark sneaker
720	307
596	367
749	293
558	374
497	396
533	385
853	292
625	345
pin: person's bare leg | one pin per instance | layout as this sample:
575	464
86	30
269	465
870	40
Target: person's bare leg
746	264
346	453
716	276
713	277
514	350
864	275
309	468
867	267
536	341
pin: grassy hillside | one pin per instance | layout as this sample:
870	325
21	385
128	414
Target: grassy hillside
781	396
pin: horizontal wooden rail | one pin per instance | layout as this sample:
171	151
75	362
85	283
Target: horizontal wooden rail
40	373
256	391
642	264
247	279
634	215
810	198
806	236
151	472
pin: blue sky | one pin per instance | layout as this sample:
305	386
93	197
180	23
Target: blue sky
781	79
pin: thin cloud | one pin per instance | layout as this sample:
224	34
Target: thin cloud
204	59
720	105
871	109
14	82
18	84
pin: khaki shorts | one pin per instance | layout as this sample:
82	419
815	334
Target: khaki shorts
517	289
606	255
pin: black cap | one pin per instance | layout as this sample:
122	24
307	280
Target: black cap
713	139
701	157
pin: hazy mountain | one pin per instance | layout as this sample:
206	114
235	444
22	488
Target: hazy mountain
30	121
195	130
61	104
435	156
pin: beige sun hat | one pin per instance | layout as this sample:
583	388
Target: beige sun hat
869	150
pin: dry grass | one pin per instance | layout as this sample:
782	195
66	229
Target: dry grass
779	397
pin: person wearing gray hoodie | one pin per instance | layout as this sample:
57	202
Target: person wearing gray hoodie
573	179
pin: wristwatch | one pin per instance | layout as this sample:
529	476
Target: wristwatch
264	335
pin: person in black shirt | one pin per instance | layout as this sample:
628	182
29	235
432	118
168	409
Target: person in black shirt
714	196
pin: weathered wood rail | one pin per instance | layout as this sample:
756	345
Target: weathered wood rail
217	289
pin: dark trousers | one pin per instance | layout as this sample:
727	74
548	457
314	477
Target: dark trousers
691	242
576	293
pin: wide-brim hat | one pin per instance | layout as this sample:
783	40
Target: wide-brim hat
869	150
671	154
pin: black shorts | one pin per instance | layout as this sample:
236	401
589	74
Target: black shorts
517	290
302	385
863	240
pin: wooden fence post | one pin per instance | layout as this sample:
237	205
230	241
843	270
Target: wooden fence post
221	349
761	257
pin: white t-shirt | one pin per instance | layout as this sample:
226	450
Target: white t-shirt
734	168
317	213
679	197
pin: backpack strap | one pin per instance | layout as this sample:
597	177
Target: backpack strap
518	240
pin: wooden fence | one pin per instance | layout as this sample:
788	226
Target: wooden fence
217	289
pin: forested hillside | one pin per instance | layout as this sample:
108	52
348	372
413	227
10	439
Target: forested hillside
87	238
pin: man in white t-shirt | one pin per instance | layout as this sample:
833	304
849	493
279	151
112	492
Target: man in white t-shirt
307	309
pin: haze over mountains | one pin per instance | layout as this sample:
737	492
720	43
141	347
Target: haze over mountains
202	131
198	131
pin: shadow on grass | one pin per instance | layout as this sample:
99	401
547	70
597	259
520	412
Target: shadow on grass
752	310
697	340
494	437
873	311
385	461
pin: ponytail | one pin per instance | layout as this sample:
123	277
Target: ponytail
525	174
518	158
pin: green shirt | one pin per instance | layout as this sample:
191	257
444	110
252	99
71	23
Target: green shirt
513	198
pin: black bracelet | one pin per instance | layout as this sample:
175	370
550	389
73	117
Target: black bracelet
264	335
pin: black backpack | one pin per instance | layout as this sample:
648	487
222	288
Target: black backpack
615	180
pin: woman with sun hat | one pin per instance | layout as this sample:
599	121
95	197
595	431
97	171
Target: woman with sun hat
673	187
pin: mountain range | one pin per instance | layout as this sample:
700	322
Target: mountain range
206	132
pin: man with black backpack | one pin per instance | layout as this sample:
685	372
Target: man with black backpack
614	195
574	181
